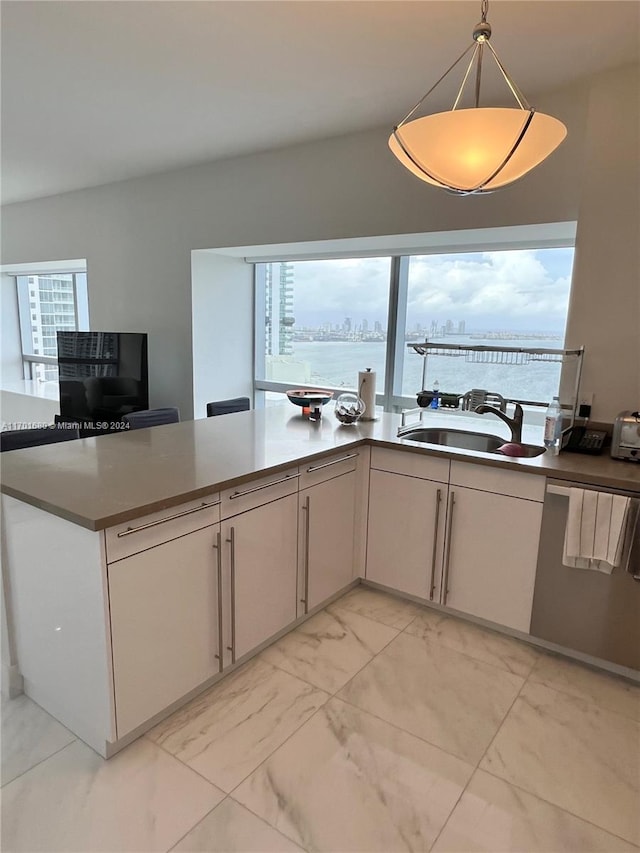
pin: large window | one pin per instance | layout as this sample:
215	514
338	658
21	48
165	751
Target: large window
320	322
508	298
49	303
323	321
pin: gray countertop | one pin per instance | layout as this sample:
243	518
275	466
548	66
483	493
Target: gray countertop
99	482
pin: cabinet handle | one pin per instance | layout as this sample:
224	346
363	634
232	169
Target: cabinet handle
447	558
333	462
432	582
232	542
306	506
218	547
131	530
264	486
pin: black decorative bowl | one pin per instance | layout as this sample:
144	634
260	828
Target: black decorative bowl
309	397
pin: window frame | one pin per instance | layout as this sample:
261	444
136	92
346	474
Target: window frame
389	397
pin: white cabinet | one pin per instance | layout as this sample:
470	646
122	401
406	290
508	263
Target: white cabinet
164	605
260	567
406	523
491	556
326	539
184	605
493	529
327	531
470	545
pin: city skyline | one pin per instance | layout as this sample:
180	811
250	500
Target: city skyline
516	289
350	331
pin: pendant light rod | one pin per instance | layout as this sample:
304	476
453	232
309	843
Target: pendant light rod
511	83
479	73
465	78
435	85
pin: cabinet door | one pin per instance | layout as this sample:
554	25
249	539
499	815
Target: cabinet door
261	550
493	555
327	539
164	624
404	549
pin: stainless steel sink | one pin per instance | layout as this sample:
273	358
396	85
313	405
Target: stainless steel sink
478	441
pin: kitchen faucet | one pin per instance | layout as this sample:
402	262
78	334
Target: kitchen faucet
514	423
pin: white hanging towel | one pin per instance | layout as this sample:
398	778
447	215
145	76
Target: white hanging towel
596	530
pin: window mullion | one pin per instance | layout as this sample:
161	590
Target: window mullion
395	330
259	331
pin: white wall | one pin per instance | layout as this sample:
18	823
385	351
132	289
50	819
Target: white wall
137	235
605	305
222	294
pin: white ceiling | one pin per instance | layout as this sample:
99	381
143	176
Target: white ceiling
94	92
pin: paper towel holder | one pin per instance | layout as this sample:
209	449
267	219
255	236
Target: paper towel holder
368	395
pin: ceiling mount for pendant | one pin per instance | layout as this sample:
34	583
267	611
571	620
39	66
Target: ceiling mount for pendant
476	150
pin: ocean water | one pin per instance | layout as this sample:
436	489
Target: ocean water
336	364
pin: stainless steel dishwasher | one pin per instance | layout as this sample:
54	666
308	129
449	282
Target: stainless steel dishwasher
585	610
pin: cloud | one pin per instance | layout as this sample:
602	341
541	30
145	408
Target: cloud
509	285
334	289
526	289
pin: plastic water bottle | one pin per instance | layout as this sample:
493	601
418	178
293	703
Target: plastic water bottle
553	425
435	400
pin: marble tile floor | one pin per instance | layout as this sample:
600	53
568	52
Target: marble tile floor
378	725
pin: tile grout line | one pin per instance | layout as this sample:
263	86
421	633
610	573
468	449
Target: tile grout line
541	655
266	822
555	806
42	761
584	699
375	655
477	766
304	723
307	721
333	695
228	794
182	837
184	764
404	731
527	791
267	758
488	631
343	701
588	702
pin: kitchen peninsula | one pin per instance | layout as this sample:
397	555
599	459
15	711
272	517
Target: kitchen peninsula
145	566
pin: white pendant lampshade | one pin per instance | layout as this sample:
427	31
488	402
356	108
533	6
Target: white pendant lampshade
476	150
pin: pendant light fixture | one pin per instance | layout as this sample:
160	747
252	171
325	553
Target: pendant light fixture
476	150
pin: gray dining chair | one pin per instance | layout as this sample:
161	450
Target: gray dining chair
228	407
19	439
152	417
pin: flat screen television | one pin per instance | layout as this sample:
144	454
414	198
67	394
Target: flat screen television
102	375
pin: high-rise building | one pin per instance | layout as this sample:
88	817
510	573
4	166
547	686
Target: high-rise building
279	308
51	308
365	326
347	325
461	327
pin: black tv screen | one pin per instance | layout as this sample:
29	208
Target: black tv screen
102	375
